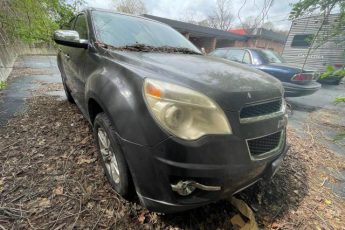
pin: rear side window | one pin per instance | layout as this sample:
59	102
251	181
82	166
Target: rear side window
219	53
235	55
302	40
81	27
246	58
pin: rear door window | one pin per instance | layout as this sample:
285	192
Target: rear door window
235	55
220	53
246	58
302	40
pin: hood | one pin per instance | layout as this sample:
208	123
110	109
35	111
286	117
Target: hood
230	84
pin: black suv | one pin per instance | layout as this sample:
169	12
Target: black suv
179	128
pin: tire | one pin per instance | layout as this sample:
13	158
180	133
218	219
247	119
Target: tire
122	184
67	92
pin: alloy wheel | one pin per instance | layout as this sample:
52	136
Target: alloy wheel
108	155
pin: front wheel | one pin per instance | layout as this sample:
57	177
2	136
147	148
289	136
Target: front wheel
111	155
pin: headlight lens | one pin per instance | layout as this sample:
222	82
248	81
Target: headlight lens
183	112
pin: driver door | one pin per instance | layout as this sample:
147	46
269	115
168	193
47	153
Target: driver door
76	58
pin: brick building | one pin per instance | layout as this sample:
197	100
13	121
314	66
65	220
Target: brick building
262	38
210	38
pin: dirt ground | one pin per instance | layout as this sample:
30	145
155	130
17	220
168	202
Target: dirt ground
51	178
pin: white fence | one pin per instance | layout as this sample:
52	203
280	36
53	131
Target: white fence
10	51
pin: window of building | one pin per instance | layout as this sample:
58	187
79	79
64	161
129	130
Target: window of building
302	40
81	27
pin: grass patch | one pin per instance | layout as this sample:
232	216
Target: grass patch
3	84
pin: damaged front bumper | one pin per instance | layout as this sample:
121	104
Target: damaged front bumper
173	177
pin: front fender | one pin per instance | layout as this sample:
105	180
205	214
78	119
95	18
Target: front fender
119	93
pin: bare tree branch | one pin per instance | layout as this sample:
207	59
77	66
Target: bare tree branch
221	17
136	7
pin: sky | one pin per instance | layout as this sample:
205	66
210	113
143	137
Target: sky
199	9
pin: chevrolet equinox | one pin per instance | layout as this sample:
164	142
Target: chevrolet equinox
179	128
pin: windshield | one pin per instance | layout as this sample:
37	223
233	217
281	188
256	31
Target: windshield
268	57
120	31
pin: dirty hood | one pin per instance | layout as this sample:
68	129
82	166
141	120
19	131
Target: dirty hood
230	84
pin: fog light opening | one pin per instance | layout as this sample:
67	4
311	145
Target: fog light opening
185	188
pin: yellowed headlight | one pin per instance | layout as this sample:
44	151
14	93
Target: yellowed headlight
183	112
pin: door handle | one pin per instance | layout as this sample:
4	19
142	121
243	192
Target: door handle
67	57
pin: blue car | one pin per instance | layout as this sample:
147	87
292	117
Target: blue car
296	81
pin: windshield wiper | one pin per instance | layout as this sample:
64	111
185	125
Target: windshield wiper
147	48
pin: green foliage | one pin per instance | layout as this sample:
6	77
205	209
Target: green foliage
3	84
325	7
340	99
307	7
339	137
322	7
35	20
330	71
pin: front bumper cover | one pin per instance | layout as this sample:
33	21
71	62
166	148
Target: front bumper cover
167	207
214	161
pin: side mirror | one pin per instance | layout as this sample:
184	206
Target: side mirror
69	38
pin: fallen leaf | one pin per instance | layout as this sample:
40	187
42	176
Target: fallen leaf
85	141
85	161
237	220
275	225
247	212
58	190
328	202
40	202
90	205
41	142
109	213
1	185
44	202
153	218
141	218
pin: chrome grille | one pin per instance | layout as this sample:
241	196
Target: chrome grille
261	109
264	144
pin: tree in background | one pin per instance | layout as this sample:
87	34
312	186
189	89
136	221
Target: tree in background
136	7
221	16
34	21
325	7
250	23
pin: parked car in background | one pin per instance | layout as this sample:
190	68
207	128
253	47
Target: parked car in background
296	81
183	128
300	48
